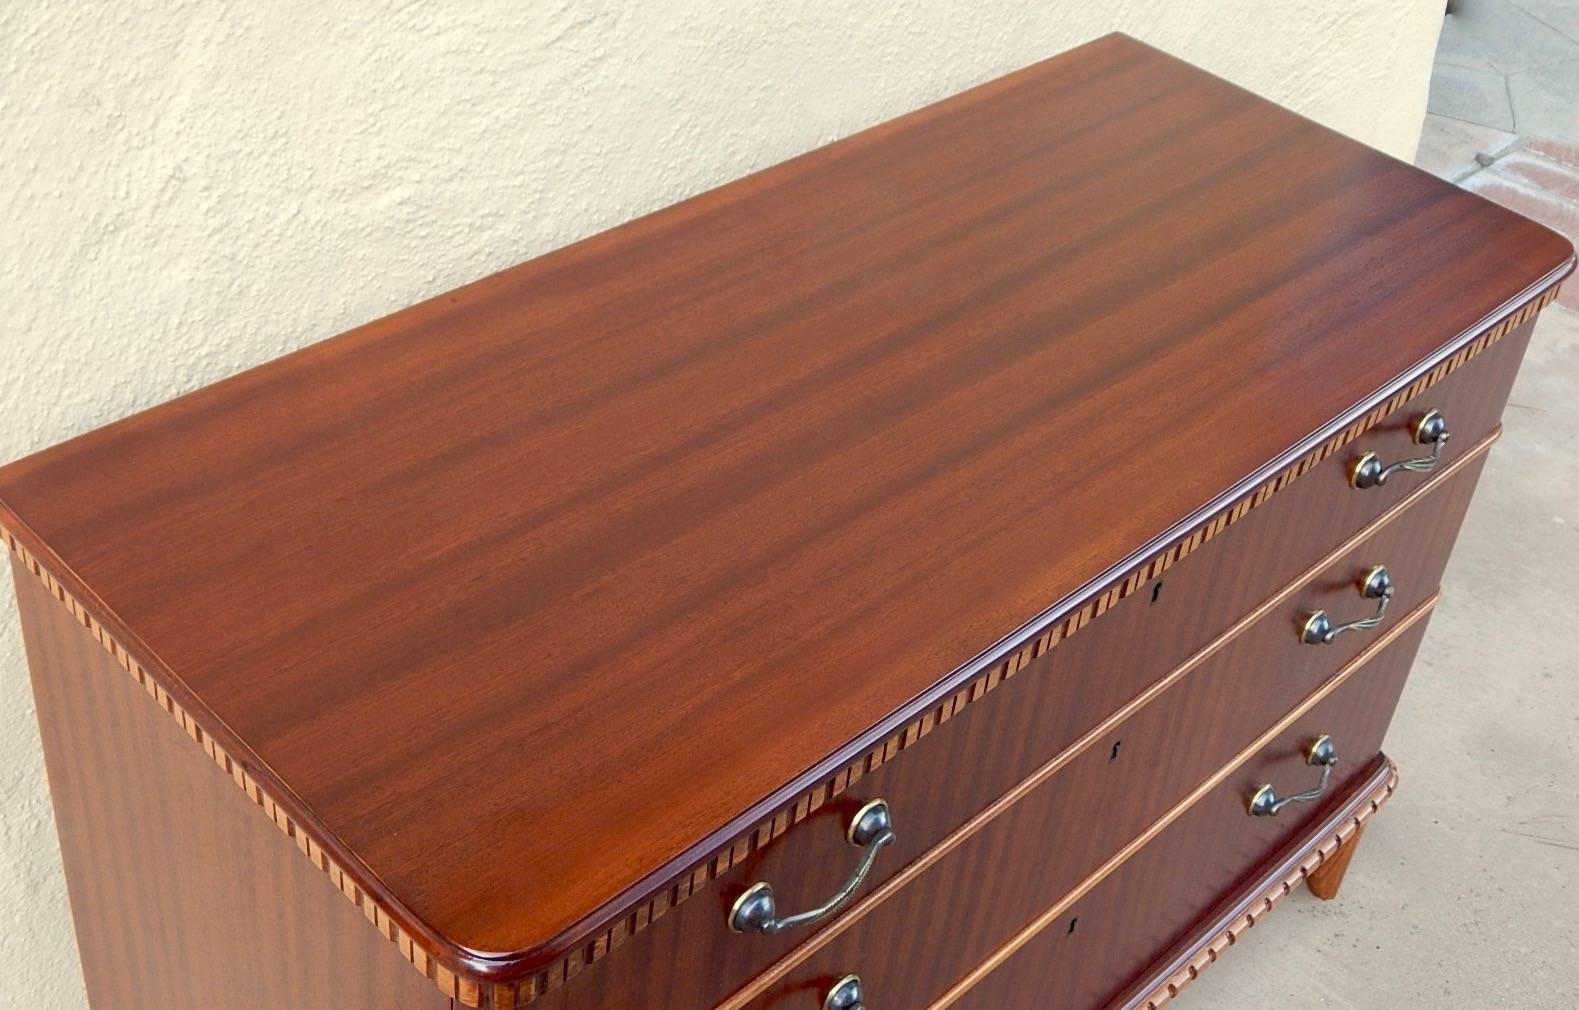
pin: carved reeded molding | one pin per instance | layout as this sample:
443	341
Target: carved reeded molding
448	982
1259	905
473	992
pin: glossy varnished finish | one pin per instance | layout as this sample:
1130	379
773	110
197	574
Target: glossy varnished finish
1100	945
1111	783
1042	848
184	898
1304	860
504	596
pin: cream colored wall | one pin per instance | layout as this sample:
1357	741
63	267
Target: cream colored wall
192	188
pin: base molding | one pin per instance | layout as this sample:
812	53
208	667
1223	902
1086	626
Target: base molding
1331	841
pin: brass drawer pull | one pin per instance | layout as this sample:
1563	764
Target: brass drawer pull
1266	802
756	912
845	995
1430	430
1377	585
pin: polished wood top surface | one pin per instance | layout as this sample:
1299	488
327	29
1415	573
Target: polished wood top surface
526	596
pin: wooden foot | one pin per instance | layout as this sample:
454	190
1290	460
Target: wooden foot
1325	879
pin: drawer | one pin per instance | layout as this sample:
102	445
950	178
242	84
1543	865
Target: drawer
973	898
1083	954
1208	590
1154	751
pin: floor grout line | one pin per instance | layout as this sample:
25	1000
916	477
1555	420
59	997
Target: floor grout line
1542	21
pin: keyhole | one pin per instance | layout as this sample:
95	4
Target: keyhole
1156	590
1114	756
1072	923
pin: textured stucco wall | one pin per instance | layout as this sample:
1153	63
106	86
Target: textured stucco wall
191	188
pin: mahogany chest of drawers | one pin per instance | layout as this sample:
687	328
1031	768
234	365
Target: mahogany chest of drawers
973	565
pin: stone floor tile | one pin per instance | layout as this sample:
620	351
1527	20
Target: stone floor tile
1474	96
1554	150
1497	35
1546	101
1553	178
1562	15
1448	146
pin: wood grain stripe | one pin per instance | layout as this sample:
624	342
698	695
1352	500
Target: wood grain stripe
476	992
1328	842
448	983
1054	913
1109	725
785	965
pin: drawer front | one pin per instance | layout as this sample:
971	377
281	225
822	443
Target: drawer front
1204	593
1154	754
956	913
1087	953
